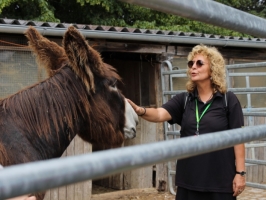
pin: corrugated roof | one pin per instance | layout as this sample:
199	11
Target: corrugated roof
110	32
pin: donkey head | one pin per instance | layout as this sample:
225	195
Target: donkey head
107	104
111	118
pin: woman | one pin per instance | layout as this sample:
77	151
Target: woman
218	175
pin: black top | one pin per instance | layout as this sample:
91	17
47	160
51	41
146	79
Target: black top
214	171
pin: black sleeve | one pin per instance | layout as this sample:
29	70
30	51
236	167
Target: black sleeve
175	108
235	113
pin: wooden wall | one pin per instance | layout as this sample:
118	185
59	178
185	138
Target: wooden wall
79	191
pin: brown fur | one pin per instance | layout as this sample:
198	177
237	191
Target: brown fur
49	54
79	59
40	121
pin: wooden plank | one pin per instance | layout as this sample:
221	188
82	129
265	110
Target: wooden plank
161	168
79	149
47	195
54	194
142	177
131	47
87	185
62	193
70	189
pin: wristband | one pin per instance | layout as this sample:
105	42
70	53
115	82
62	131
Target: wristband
144	112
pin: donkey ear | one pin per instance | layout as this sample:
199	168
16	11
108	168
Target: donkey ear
49	54
84	60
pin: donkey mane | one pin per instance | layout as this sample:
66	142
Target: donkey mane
37	113
34	108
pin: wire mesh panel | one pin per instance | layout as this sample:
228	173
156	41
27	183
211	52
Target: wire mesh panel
18	68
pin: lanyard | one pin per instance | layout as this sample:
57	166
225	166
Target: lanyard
197	115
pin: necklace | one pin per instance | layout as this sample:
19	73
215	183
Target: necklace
207	100
198	118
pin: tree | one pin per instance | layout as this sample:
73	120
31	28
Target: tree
116	13
39	10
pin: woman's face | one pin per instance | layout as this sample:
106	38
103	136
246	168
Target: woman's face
199	69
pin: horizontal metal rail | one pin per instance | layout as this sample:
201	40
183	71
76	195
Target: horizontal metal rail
234	66
235	90
183	73
255	145
256	185
257	114
260	109
246	65
257	162
247	74
38	176
209	12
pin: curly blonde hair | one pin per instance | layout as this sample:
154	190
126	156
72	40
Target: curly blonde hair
217	68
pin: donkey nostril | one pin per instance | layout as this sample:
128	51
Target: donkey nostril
134	130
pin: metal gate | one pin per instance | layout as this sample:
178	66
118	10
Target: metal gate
250	112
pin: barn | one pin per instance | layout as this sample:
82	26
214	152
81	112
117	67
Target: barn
142	57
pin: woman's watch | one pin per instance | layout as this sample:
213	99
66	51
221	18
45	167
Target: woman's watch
242	173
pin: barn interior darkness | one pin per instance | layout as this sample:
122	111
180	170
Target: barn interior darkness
138	75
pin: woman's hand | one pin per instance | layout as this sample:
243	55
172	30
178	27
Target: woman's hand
139	110
151	114
239	184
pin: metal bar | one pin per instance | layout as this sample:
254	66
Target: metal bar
255	145
254	109
246	65
179	76
258	162
247	74
180	71
210	12
234	66
258	114
176	133
165	124
256	185
247	90
235	90
38	176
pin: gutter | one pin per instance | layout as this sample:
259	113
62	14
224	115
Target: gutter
154	38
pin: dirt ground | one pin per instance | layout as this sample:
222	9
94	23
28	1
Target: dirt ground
100	193
133	194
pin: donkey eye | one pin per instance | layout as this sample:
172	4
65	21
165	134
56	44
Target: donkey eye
114	83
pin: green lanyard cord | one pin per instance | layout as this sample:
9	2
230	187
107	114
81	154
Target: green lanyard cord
197	114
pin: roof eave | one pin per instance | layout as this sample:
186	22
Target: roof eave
127	36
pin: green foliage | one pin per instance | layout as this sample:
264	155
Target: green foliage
116	13
5	3
39	10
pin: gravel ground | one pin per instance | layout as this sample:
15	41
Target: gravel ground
100	193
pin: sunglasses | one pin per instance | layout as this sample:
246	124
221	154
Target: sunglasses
199	63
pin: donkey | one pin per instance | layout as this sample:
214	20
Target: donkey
79	97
